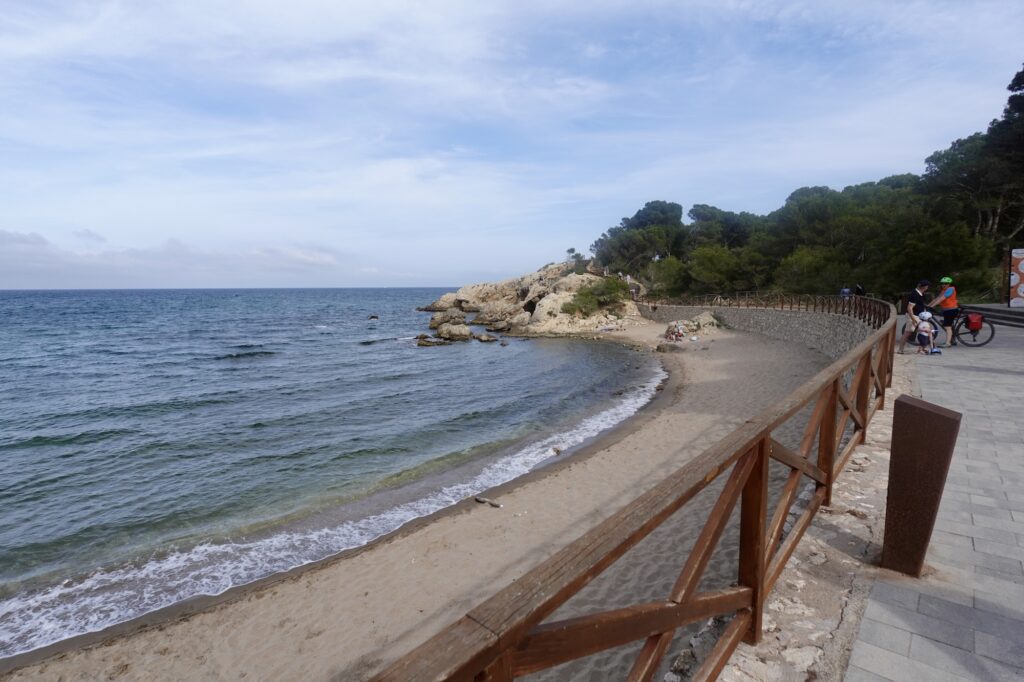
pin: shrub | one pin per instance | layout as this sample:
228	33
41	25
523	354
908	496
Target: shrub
608	293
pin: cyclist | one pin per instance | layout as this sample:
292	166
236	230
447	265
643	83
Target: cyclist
950	308
915	306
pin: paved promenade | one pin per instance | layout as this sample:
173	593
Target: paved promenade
965	619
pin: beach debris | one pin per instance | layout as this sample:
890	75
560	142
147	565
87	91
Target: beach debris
557	451
487	500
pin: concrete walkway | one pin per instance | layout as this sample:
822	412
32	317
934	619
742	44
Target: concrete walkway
965	619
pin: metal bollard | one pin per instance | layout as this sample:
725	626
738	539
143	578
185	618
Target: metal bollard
923	438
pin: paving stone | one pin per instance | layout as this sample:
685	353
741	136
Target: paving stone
970	530
1001	650
938	629
960	662
892	666
855	674
895	594
969	617
885	636
999	548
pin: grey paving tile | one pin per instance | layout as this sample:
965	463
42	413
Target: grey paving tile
1011	653
939	629
960	662
1005	577
989	522
976	619
971	530
999	549
953	540
885	636
959	556
904	597
855	674
892	666
996	603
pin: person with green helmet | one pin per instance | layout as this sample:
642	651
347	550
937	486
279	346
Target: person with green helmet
949	307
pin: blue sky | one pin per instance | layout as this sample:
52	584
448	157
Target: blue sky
325	143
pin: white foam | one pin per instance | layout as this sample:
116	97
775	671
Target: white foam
34	619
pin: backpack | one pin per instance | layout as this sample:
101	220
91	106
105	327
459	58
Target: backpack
974	321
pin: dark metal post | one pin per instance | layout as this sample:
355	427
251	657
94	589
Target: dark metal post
923	438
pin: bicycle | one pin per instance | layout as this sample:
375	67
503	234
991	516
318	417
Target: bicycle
962	332
982	333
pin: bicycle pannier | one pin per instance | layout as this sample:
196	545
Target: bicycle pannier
974	321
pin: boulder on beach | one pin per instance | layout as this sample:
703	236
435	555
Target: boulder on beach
486	338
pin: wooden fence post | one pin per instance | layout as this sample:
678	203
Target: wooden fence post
827	440
864	390
753	518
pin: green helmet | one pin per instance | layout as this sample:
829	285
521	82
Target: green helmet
946	280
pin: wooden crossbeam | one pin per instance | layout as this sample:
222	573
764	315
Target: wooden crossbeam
726	644
848	403
551	644
778	562
689	578
813	424
781	453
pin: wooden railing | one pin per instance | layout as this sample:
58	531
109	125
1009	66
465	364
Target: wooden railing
505	636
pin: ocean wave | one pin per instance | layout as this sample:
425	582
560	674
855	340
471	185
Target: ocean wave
36	618
246	354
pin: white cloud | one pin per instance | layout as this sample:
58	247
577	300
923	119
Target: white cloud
452	134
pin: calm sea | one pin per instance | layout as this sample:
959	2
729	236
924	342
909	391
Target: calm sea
158	445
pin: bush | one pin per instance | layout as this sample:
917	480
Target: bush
608	293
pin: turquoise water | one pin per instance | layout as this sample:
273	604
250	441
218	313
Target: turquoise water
159	445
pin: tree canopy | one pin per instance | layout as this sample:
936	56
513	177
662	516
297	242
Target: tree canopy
957	219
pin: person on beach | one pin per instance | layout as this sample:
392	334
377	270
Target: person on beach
950	308
915	306
926	334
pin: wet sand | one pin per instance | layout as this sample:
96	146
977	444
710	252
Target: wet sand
348	617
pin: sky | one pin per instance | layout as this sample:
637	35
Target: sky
320	143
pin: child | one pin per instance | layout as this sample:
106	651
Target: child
926	334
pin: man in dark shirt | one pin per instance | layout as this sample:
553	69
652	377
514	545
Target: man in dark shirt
915	306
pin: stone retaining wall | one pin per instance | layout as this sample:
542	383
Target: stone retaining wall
828	333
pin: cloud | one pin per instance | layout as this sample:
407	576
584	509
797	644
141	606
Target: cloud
456	137
30	261
90	236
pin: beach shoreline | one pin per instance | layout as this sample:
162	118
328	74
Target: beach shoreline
184	609
445	562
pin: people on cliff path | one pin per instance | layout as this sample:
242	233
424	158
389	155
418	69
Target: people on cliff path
949	306
915	306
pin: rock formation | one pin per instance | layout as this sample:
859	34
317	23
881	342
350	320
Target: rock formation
528	305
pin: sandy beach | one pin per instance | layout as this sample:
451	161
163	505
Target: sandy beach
347	617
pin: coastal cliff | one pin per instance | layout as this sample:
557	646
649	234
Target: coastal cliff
531	305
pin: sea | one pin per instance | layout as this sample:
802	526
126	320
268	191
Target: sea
158	445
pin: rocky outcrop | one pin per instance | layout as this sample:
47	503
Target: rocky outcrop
486	338
530	305
444	303
454	332
449	315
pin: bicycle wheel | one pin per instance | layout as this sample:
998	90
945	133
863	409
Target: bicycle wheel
973	338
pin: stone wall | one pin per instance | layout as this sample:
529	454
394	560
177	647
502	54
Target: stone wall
828	333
